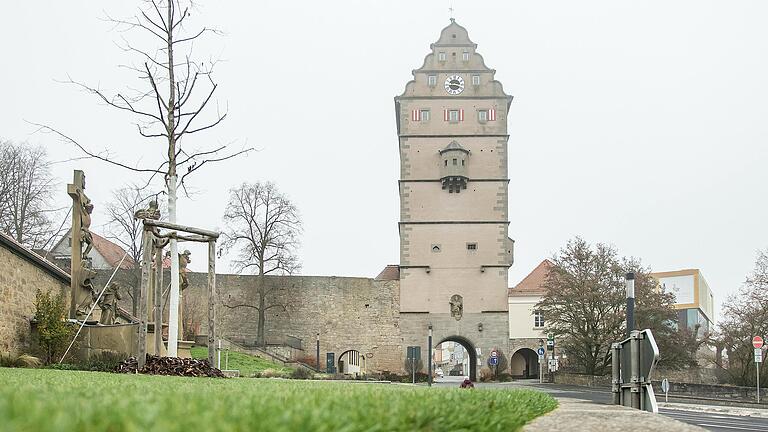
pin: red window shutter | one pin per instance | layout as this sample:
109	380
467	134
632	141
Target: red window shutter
445	115
461	115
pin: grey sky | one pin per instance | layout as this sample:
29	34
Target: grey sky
640	124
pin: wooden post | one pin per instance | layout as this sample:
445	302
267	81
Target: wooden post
158	297
146	267
212	302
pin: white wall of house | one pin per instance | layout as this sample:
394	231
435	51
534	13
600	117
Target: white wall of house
521	318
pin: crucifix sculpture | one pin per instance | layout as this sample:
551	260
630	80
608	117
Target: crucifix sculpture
80	236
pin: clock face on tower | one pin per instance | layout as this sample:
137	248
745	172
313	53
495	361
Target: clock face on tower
454	84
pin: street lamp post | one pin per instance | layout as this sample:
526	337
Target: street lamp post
317	352
630	280
429	357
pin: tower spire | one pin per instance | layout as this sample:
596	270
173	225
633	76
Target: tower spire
451	10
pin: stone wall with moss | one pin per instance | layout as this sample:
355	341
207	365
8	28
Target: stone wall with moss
22	273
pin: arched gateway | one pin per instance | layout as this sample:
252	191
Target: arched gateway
470	348
455	252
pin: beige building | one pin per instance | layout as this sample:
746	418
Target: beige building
694	301
454	246
526	324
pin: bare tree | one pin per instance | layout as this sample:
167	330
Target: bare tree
263	226
745	315
122	227
174	101
26	194
584	305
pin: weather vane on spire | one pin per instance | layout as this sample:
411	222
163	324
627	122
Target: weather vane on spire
450	10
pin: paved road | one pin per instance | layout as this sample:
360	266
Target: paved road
710	421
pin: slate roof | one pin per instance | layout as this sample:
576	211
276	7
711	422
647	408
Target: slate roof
533	283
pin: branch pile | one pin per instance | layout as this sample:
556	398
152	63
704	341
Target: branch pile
174	366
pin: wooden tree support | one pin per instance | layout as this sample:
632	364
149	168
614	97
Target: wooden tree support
151	236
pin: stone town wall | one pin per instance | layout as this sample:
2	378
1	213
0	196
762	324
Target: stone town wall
349	313
22	273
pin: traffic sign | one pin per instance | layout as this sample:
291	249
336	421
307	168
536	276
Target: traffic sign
540	351
493	361
494	354
550	343
550	336
757	342
665	385
758	355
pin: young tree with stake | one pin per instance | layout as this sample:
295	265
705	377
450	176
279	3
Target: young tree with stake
173	102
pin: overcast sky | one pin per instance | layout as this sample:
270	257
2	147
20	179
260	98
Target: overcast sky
639	124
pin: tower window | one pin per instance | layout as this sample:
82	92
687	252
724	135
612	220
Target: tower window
475	79
424	115
441	56
455	162
453	115
446	162
462	162
471	246
435	248
482	116
432	80
465	56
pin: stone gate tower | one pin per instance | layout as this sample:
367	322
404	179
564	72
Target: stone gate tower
454	186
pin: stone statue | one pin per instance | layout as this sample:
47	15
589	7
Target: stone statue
184	259
86	283
152	212
86	237
457	306
108	303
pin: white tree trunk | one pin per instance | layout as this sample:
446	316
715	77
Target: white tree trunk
173	312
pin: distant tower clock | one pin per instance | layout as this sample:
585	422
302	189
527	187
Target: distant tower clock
454	84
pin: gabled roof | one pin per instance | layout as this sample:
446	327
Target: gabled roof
453	145
533	284
390	272
111	252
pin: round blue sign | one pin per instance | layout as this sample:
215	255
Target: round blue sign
541	351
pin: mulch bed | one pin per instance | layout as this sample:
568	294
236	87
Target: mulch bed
174	366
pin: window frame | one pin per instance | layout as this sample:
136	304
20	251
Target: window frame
538	319
425	115
465	56
482	113
432	80
441	57
472	246
451	116
475	79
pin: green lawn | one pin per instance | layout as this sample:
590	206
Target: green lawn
246	364
52	400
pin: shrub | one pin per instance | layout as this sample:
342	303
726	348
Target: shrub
63	366
106	361
19	360
302	373
269	373
53	332
486	374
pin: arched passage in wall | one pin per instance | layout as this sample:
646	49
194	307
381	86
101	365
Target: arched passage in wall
470	348
351	362
524	363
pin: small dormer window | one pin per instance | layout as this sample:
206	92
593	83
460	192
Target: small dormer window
432	80
455	162
441	56
465	56
475	79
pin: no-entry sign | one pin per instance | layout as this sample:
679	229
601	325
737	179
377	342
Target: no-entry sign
757	342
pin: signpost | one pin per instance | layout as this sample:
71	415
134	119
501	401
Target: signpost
413	354
665	389
634	360
541	353
757	342
551	347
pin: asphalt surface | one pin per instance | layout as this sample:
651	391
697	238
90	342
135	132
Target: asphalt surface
711	421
